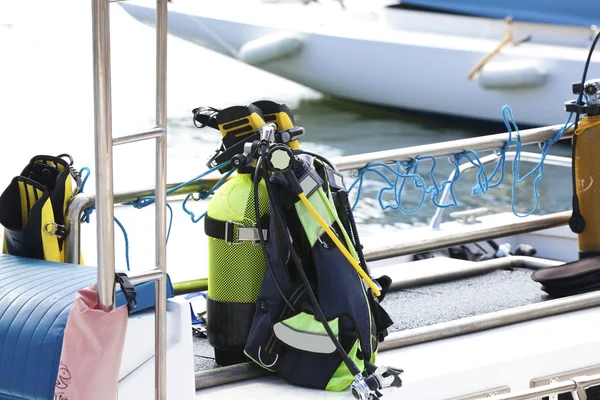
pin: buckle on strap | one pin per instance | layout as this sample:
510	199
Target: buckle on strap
243	233
251	234
128	290
230	232
233	232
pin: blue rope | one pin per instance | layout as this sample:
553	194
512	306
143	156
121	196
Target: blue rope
148	200
202	196
126	242
88	212
170	221
510	123
399	182
433	190
84	178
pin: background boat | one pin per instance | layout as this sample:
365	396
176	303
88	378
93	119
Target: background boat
417	55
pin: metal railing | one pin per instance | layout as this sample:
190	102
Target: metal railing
510	156
576	386
450	148
104	200
479	233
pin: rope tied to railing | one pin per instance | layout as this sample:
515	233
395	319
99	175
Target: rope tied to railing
403	171
145	201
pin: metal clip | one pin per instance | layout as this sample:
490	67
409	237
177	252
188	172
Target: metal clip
261	361
128	290
227	227
54	229
251	234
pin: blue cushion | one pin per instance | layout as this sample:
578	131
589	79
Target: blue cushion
35	300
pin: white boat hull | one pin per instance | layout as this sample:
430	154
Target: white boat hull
402	68
509	357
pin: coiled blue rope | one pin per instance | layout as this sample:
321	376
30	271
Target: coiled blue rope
403	171
148	200
202	196
88	212
509	122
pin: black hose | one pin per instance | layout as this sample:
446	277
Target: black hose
319	157
261	237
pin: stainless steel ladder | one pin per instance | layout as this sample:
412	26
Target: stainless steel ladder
104	201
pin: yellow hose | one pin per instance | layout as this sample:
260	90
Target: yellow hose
339	244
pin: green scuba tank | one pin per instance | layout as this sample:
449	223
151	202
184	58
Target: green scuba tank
33	207
236	266
236	263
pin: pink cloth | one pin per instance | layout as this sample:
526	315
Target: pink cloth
92	350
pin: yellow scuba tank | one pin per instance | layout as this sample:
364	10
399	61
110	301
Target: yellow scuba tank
236	263
587	184
585	220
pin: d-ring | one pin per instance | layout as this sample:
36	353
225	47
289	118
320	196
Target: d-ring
261	361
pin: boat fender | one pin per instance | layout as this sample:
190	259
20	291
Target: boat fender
270	48
512	75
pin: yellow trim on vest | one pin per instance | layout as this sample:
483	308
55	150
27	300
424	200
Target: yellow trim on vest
49	242
68	193
31	194
22	197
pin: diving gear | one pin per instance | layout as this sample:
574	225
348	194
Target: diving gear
235	266
317	309
240	125
586	169
309	182
379	378
33	207
236	263
577	222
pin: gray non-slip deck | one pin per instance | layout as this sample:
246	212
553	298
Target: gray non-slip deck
441	302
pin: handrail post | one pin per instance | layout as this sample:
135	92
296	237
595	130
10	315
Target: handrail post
104	154
161	201
104	199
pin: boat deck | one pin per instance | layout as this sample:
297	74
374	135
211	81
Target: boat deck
435	303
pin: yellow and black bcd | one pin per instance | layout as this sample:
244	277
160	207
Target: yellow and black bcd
33	207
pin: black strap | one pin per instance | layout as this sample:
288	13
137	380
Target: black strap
226	230
128	290
218	229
